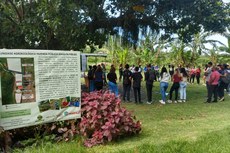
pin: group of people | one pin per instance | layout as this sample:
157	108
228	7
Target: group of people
180	77
217	80
192	72
98	78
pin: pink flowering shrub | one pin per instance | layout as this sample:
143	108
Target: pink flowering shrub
104	120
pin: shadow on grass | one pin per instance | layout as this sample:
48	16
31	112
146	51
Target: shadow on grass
214	142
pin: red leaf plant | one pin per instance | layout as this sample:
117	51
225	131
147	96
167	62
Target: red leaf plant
103	119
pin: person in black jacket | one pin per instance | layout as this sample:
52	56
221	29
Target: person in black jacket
137	77
91	79
126	83
149	78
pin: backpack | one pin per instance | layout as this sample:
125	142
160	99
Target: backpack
152	76
226	79
126	75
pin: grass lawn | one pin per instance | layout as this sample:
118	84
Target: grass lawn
189	127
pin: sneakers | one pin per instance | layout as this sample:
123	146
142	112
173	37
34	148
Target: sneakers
175	101
182	101
221	99
162	102
169	101
149	103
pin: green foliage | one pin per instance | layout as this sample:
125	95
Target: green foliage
60	24
183	127
103	119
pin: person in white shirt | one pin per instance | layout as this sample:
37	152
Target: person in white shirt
164	79
207	74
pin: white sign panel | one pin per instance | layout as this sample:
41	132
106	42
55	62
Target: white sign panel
38	86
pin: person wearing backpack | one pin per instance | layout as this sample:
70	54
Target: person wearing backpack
149	78
126	83
137	77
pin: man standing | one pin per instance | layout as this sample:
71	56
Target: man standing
207	74
126	83
137	77
149	78
213	84
91	79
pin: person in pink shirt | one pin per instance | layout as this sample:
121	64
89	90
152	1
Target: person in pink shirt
213	83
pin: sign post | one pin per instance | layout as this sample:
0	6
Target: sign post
39	86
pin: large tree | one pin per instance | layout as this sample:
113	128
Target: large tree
72	24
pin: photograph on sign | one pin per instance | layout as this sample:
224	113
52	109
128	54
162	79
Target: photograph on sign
17	76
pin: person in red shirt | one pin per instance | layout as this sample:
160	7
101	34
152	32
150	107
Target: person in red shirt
176	78
198	71
213	83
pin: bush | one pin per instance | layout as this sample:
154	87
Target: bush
104	120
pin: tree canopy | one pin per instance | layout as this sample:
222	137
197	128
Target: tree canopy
73	24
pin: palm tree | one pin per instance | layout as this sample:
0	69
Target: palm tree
226	49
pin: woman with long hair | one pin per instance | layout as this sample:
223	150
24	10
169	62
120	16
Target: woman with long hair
112	77
164	79
176	78
183	85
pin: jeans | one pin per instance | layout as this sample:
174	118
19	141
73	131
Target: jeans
91	85
126	91
113	88
183	86
149	88
175	87
163	88
137	93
